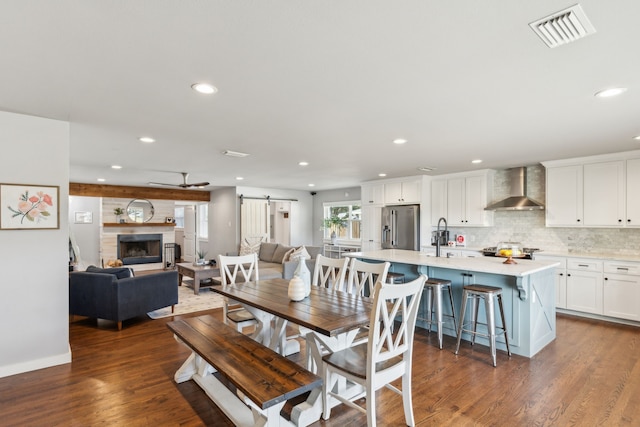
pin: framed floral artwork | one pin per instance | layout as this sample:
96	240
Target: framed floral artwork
29	207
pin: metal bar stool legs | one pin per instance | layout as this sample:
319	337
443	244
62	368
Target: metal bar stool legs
487	293
395	277
435	287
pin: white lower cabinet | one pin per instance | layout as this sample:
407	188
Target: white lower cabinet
621	293
595	286
621	296
584	285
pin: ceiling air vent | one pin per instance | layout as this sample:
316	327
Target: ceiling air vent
563	27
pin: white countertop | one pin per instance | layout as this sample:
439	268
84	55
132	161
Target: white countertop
606	256
593	255
492	265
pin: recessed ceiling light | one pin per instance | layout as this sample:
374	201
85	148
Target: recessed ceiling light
382	174
101	180
205	88
607	93
146	139
116	167
234	153
303	163
239	178
637	137
476	161
312	185
399	141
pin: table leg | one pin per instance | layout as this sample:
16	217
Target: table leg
196	283
180	279
272	337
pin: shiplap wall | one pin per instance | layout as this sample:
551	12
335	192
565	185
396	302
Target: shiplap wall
109	236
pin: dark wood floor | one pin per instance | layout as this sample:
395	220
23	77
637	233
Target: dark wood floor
589	376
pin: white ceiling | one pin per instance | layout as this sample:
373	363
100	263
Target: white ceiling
329	82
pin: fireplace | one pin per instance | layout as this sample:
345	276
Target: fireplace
139	248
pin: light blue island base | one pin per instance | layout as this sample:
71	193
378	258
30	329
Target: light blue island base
528	295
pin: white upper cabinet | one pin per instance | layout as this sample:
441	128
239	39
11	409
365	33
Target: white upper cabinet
564	196
475	188
372	194
632	196
593	191
461	199
402	192
604	194
438	200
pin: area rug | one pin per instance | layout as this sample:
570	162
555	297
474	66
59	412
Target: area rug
188	302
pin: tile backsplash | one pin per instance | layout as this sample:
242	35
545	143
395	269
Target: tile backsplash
528	227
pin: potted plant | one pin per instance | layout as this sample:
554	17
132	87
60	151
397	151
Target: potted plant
118	212
201	257
334	223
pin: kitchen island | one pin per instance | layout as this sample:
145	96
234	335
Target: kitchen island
528	291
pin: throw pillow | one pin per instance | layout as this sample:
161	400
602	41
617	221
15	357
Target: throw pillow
279	254
287	256
267	250
300	252
120	273
246	248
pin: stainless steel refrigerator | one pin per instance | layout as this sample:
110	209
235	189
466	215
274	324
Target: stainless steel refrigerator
401	227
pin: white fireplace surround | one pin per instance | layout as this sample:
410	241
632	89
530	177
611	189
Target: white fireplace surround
109	235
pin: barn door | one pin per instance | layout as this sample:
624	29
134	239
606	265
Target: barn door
254	219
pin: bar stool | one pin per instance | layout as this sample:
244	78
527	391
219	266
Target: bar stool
435	287
487	293
395	277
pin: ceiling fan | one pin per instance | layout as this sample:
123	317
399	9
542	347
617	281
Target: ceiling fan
185	175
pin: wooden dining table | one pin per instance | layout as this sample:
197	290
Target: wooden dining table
334	317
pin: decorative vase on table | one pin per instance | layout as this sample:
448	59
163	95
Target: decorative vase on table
302	271
333	237
296	289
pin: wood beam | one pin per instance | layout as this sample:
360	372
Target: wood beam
125	192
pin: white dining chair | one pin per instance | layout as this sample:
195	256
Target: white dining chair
361	280
234	269
329	273
384	358
364	275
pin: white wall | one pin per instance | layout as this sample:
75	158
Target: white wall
34	290
223	222
87	236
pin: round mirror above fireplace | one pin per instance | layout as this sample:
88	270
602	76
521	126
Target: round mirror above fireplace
140	210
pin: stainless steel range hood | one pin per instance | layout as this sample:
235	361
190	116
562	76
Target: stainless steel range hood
518	200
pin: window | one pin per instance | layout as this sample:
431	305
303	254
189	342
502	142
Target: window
344	219
179	216
203	221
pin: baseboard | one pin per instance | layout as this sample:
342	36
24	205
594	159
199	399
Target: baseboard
34	365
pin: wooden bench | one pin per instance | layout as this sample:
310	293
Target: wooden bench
264	379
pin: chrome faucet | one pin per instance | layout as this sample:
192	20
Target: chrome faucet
438	235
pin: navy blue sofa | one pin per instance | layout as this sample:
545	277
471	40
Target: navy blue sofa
109	294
